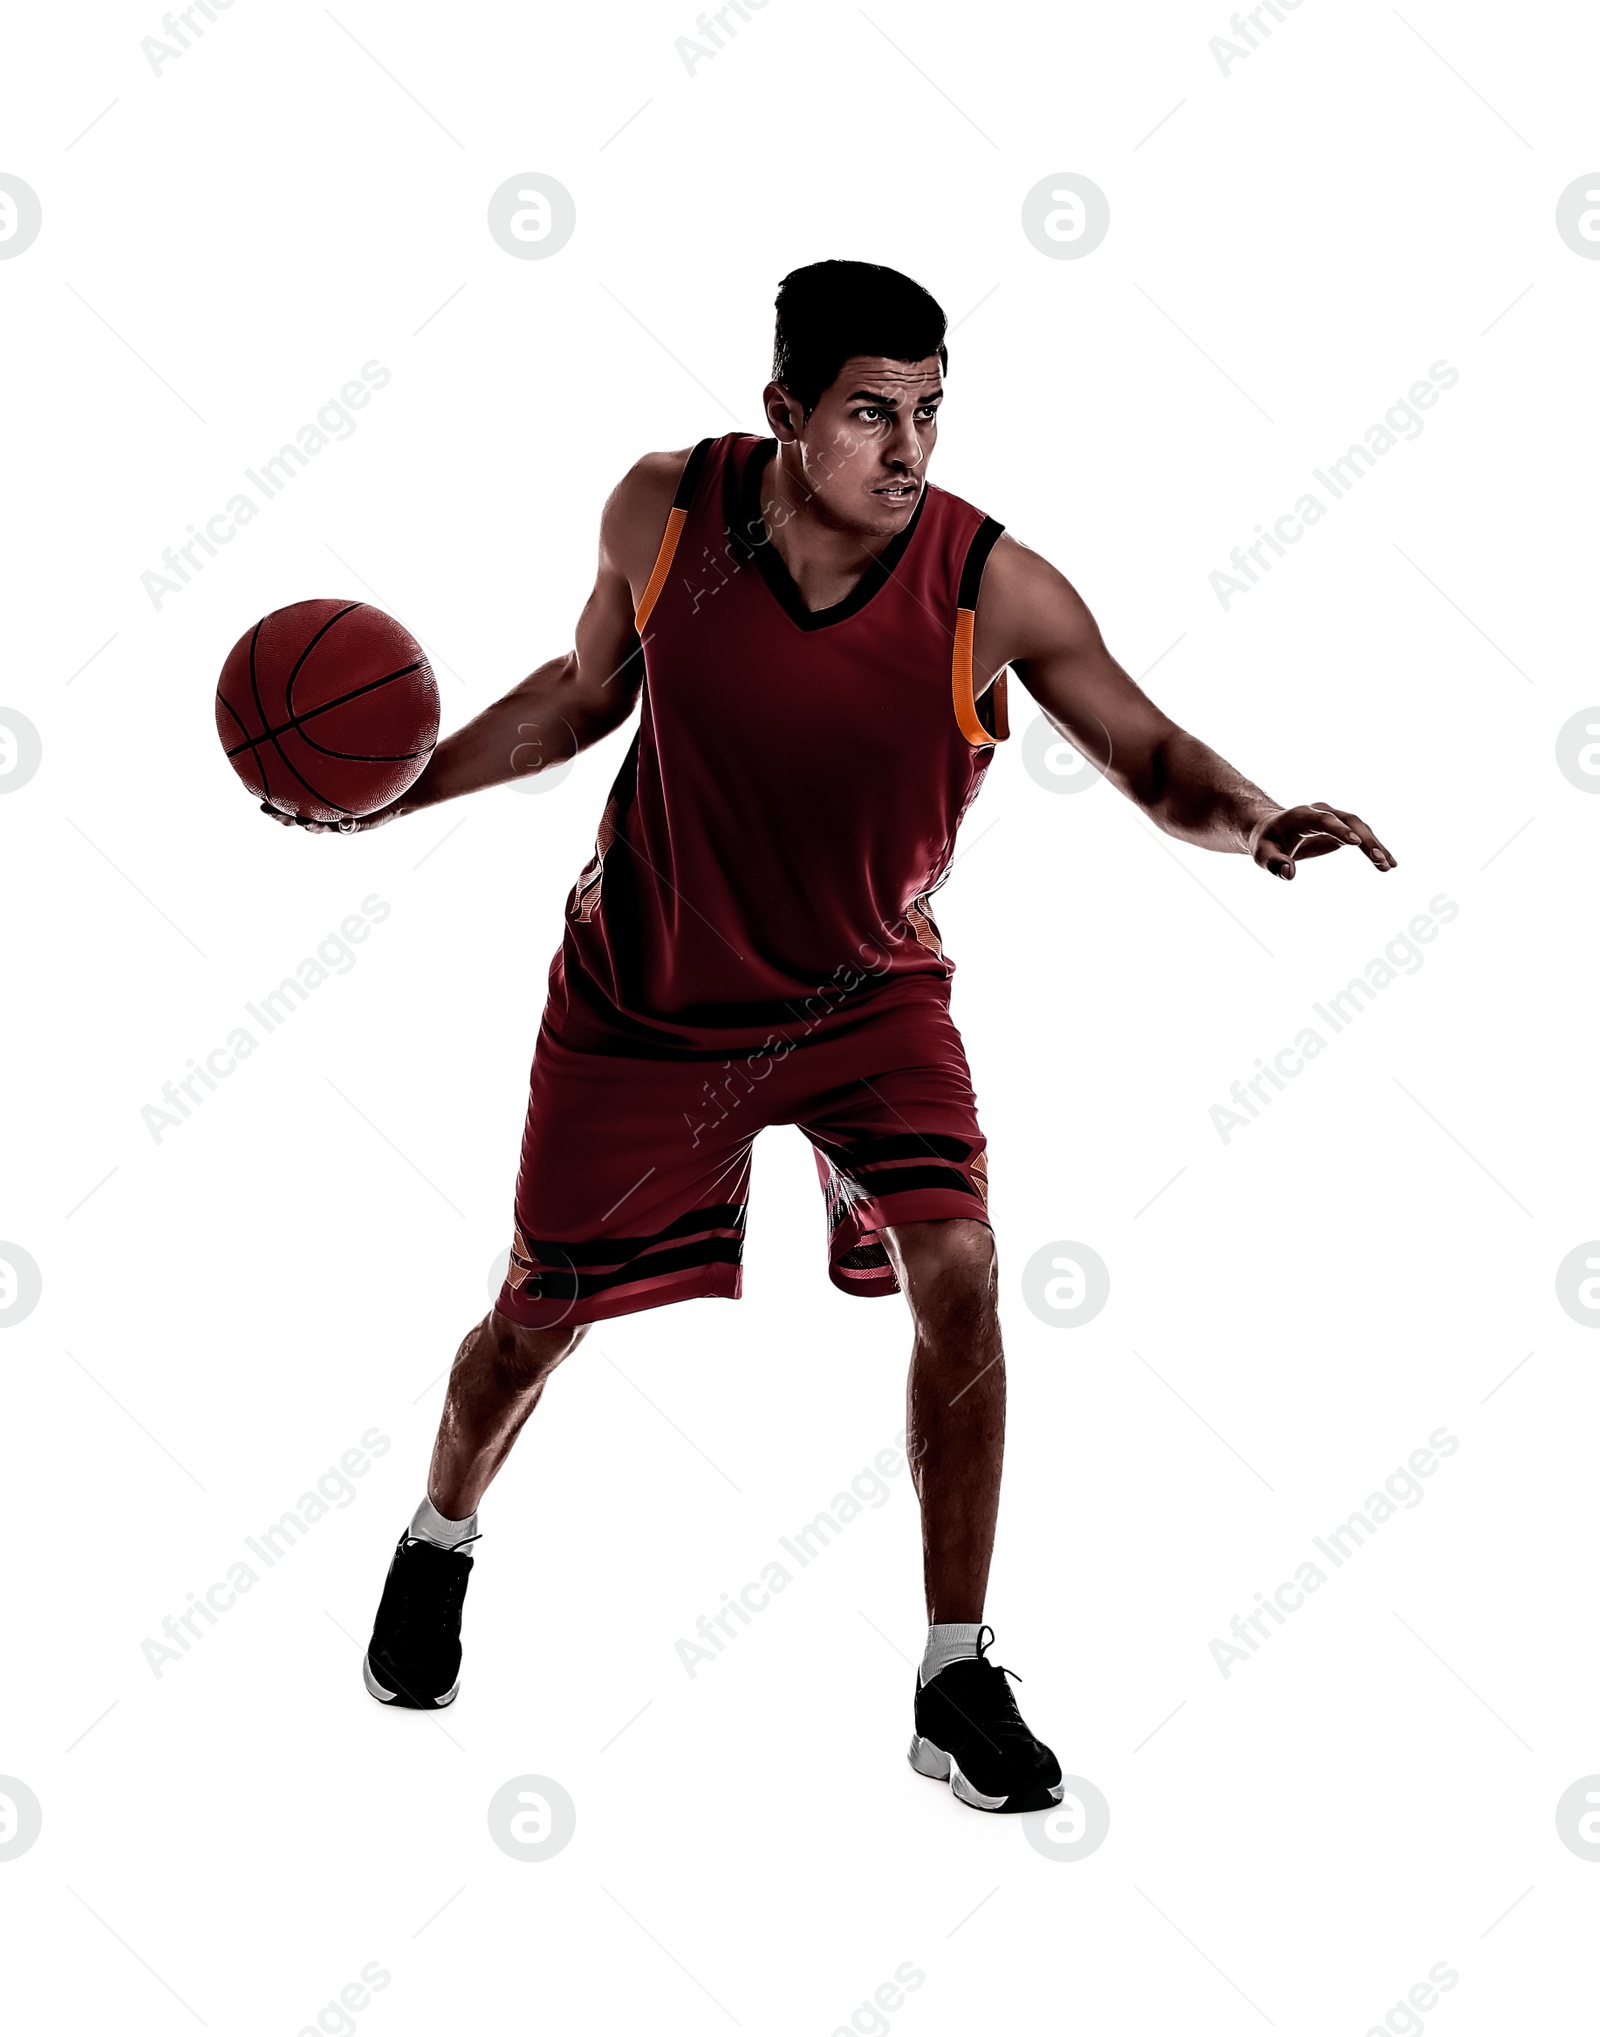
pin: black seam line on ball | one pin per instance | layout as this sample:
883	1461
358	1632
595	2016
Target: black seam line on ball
246	745
255	689
271	735
224	701
338	616
361	756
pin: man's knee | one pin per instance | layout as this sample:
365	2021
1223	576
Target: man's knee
949	1272
524	1358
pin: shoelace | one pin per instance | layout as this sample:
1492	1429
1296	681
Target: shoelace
1001	1710
454	1587
998	1667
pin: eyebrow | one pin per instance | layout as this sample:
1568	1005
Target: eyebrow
890	402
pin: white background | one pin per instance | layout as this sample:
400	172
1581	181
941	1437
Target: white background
1374	1791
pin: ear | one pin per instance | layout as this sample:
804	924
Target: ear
784	413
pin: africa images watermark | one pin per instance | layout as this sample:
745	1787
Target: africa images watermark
333	1490
334	2018
715	568
721	1098
1404	2019
724	1097
871	2018
1401	1488
180	31
332	421
1399	421
1247	39
696	52
335	955
1402	956
867	1491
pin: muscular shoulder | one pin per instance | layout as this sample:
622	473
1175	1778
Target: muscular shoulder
1028	608
635	514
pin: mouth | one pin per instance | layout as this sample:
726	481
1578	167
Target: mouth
897	491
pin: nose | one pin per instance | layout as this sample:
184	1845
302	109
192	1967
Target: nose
905	447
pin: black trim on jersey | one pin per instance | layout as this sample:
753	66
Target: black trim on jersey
742	513
689	479
984	540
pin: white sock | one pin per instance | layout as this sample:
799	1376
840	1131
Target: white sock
429	1525
946	1644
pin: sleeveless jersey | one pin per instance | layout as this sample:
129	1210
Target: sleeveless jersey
792	794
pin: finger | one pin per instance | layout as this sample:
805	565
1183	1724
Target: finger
1330	821
1293	843
1320	832
284	820
1374	850
1274	860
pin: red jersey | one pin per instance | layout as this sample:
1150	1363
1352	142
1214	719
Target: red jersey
791	797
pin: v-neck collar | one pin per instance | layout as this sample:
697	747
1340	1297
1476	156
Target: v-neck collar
742	507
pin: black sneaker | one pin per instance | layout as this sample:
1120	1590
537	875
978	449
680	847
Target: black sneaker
971	1735
414	1657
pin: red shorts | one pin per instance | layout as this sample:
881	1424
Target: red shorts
635	1172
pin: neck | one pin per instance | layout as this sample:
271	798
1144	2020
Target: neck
825	559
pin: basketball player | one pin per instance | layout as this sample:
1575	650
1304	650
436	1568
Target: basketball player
817	640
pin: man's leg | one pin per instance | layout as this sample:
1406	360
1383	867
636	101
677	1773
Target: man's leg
414	1657
955	1404
496	1382
968	1731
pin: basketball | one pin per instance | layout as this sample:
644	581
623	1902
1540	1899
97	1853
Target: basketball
328	710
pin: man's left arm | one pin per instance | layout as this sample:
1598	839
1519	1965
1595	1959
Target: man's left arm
1032	618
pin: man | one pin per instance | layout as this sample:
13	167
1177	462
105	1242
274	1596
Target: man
821	687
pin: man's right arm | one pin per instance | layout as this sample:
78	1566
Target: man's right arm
573	700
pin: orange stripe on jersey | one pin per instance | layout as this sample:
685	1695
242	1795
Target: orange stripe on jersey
677	516
961	688
984	540
961	680
676	519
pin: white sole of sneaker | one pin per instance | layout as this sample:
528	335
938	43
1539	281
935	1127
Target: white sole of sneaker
933	1762
388	1697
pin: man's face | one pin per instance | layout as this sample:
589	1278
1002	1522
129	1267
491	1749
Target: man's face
865	448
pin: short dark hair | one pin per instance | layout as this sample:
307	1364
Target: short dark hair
828	311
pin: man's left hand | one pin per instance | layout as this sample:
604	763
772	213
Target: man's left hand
1283	839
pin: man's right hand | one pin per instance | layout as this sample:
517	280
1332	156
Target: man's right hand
351	826
572	700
